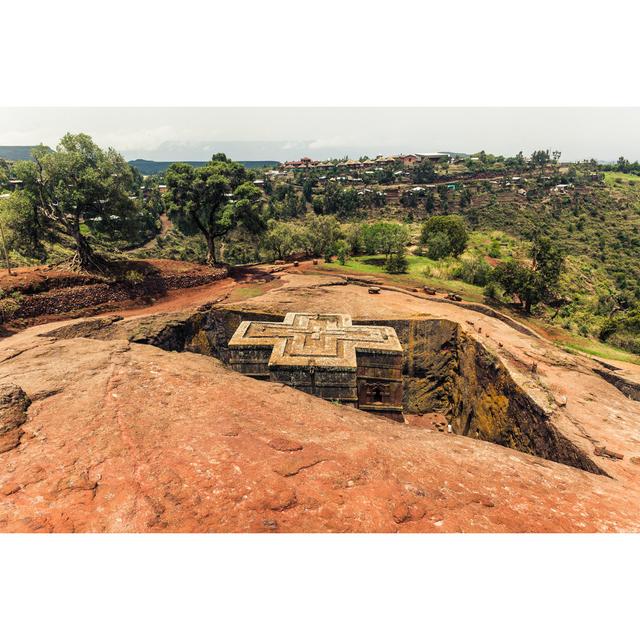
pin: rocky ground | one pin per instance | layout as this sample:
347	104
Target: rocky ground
99	433
33	295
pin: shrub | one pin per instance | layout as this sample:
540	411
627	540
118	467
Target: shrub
495	251
133	277
8	308
341	249
475	271
397	262
491	291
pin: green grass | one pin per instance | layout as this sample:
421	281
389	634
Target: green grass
439	277
612	178
599	350
245	292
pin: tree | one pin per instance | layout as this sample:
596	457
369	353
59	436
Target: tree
516	162
429	201
439	246
465	198
384	237
397	262
534	284
307	189
75	183
281	239
540	158
22	225
519	280
453	227
423	172
3	238
206	197
317	203
320	235
443	194
342	249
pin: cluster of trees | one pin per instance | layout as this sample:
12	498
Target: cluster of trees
539	159
624	166
324	236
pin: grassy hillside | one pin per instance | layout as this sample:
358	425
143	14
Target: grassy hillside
15	153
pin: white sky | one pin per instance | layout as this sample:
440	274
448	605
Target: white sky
263	133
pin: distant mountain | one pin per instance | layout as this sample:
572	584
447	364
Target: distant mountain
151	167
14	153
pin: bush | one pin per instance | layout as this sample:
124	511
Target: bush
342	251
133	277
397	262
491	291
8	308
475	271
495	251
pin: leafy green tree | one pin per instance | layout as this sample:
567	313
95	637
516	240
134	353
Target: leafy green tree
317	203
4	173
384	237
206	197
438	246
307	189
423	172
465	198
519	280
320	234
77	182
22	225
281	239
443	195
548	260
342	248
516	162
397	262
534	284
429	201
540	158
452	226
409	198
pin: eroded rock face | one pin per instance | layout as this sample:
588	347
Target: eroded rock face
127	437
14	403
447	371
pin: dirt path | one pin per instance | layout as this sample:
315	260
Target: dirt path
242	284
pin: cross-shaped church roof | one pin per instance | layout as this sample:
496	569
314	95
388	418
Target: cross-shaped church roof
318	340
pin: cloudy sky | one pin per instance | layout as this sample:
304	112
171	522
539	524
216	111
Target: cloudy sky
260	133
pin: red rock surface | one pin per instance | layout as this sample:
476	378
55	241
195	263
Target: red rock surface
126	437
587	409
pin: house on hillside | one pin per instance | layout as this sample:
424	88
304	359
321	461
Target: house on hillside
435	156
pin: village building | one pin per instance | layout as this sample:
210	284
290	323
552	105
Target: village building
325	355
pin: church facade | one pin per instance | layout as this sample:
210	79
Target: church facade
327	356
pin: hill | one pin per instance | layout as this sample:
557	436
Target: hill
15	153
151	167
